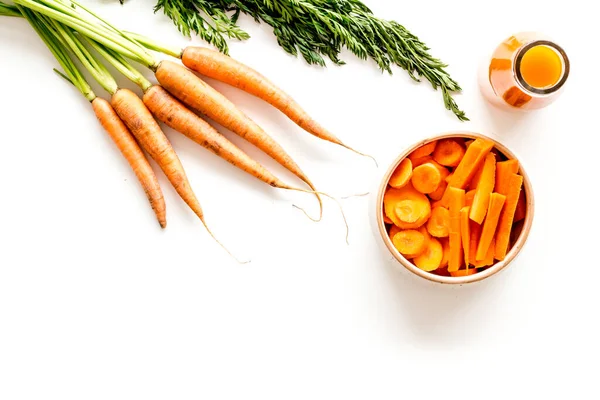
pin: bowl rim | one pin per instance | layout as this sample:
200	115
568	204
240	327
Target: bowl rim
498	266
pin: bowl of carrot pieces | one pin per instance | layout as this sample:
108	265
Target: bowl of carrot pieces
455	208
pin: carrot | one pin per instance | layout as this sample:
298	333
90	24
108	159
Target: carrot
406	204
484	189
194	92
489	257
469	197
393	230
465	233
475	229
225	69
436	204
504	171
426	178
431	258
463	272
474	156
410	243
438	224
472	185
521	210
448	152
507	216
468	142
488	229
420	161
402	174
387	220
148	133
457	202
449	178
134	155
438	193
423	151
446	247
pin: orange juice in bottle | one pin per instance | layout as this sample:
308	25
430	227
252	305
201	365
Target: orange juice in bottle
525	72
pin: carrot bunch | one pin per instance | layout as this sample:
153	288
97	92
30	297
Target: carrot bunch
72	31
453	206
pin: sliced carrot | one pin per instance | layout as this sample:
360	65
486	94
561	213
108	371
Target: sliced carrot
521	207
475	235
489	256
468	142
423	151
474	156
449	178
431	258
402	174
437	203
504	170
472	185
426	178
418	203
463	272
446	246
457	202
420	161
485	187
465	232
507	216
469	197
488	229
448	152
410	243
393	230
438	193
438	224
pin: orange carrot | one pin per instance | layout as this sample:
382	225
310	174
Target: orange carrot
134	155
449	179
484	189
393	230
439	192
469	197
406	204
410	243
504	170
431	258
426	178
456	201
463	272
387	220
507	216
420	161
223	68
521	207
423	151
402	174
448	152
143	126
472	185
488	230
475	229
465	233
194	92
474	156
438	224
446	247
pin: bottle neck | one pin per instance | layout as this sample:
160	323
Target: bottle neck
546	91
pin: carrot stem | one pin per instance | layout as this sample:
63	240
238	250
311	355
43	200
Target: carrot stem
8	11
154	45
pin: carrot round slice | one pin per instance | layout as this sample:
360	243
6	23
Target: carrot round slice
448	152
423	151
411	212
393	197
426	178
393	230
464	272
438	224
402	174
410	243
431	258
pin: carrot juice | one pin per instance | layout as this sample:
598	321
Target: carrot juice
526	71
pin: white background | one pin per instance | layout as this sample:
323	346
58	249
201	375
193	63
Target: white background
96	302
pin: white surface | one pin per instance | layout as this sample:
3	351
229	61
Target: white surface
97	302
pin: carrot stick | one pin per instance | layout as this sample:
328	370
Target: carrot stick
426	178
507	216
456	201
488	230
469	197
504	171
521	207
402	174
191	90
148	133
134	155
475	229
464	272
423	151
474	156
438	224
446	248
448	152
225	69
465	233
485	188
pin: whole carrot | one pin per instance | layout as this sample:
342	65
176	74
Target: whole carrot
144	127
132	152
193	91
223	68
